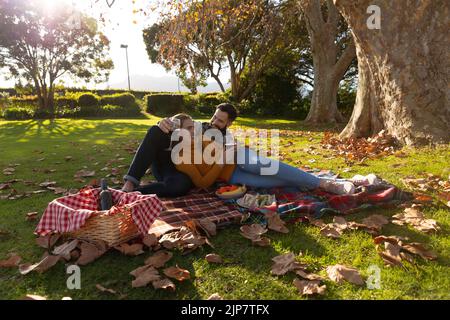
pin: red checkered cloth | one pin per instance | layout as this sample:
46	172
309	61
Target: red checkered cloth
198	204
69	213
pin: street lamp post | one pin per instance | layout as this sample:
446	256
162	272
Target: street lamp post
128	69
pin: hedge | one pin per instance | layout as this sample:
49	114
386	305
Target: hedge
164	104
17	113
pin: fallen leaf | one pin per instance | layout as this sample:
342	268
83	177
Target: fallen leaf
130	250
213	258
308	276
89	253
208	226
275	223
419	249
58	190
46	263
84	174
307	287
150	240
68	158
31	216
330	231
262	242
65	249
103	289
4	186
164	284
159	259
144	275
391	254
177	273
340	223
375	221
11	262
253	231
215	296
46	184
416	219
338	273
283	264
48	241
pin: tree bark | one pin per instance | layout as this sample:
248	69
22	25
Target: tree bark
404	69
328	69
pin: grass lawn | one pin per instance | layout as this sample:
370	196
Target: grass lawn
40	145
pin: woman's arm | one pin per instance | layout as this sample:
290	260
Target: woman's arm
202	181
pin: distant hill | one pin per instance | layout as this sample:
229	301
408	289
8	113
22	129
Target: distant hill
166	83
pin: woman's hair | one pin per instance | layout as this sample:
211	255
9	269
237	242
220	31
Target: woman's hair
182	117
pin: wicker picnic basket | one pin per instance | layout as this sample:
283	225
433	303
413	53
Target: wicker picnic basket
113	229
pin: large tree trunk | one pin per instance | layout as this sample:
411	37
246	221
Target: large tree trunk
328	69
404	68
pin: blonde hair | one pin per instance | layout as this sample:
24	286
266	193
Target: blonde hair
182	117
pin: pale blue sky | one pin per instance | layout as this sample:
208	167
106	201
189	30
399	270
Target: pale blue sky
119	28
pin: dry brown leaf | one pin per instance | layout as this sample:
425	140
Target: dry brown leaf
103	289
213	258
208	226
262	242
159	259
317	222
283	264
58	190
419	249
89	253
46	184
177	273
145	275
253	231
170	240
416	219
46	263
338	273
275	223
84	173
130	249
307	287
331	231
12	262
164	284
375	221
340	223
150	240
391	239
31	216
308	276
215	296
65	249
391	254
48	241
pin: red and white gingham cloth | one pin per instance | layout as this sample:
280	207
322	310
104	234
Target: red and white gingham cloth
69	213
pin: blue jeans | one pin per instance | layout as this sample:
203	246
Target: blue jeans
249	173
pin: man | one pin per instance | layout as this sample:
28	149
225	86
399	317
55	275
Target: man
153	152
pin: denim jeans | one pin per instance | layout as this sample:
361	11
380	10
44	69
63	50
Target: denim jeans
152	153
249	173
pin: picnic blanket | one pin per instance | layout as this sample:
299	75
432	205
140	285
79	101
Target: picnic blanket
69	213
292	205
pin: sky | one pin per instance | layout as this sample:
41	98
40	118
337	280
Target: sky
122	26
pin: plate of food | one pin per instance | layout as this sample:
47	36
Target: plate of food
231	192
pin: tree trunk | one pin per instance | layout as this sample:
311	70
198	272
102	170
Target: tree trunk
404	69
328	69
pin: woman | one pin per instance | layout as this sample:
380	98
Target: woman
204	175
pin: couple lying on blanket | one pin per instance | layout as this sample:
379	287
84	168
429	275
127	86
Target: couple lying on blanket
177	172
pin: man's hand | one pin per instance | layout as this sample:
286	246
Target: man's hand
165	125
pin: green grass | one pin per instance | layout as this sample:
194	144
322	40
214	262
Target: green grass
246	273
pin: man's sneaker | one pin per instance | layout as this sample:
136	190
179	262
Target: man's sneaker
370	179
338	187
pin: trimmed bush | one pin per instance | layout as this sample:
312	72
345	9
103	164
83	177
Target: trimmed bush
66	102
126	100
207	110
17	113
164	104
89	104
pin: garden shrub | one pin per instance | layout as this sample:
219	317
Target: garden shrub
89	104
17	113
164	104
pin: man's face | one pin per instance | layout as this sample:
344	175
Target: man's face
220	120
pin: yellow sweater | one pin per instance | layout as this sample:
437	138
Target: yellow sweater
204	175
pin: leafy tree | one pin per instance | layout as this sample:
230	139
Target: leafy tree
40	47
